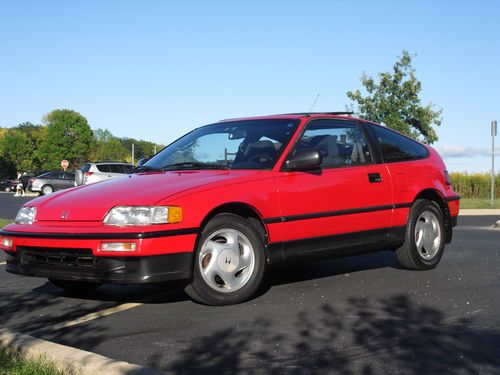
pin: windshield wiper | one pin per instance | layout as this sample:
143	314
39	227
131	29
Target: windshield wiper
193	165
145	168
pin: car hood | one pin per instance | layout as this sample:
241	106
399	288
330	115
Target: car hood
92	202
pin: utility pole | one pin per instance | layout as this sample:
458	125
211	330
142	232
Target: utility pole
493	135
133	153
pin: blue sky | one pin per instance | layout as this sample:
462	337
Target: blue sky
156	69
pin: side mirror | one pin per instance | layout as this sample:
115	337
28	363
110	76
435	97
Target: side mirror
304	159
141	162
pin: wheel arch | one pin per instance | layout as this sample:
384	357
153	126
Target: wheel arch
241	209
244	210
435	196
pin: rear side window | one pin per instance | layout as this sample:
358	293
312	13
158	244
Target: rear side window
396	147
116	168
103	167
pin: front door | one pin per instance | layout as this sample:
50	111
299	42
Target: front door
346	203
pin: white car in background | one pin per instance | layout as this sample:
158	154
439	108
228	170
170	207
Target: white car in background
94	172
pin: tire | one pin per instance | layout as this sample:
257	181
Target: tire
229	262
75	286
47	189
425	237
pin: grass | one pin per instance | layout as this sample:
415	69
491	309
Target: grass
15	364
478	203
4	222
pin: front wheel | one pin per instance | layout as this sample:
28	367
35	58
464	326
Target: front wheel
229	261
47	189
425	236
75	286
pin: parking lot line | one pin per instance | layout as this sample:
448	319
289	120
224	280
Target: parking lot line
92	316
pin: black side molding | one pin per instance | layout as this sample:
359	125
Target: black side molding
316	215
102	236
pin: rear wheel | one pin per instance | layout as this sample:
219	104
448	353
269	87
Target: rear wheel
75	286
229	262
425	236
47	189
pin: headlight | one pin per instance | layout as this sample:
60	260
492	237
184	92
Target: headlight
26	215
143	215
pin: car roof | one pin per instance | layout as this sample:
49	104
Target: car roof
295	116
108	162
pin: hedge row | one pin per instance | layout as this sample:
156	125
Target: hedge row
475	185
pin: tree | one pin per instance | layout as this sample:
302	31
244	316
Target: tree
394	101
16	148
69	136
142	149
37	135
19	147
108	147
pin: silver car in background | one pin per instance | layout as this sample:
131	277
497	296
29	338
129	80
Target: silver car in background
49	182
94	172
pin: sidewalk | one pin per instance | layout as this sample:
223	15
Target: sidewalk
480	212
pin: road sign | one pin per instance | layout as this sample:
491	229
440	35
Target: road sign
64	164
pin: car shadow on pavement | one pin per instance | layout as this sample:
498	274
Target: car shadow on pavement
391	335
331	267
167	292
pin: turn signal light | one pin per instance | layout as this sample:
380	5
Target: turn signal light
118	246
7	242
174	214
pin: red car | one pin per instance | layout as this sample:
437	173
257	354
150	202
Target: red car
225	201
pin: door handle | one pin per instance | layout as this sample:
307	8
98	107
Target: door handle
374	177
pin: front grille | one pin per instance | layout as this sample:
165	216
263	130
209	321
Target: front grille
66	258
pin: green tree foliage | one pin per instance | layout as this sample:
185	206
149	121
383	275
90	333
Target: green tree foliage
142	149
17	148
108	147
37	135
66	135
394	101
69	136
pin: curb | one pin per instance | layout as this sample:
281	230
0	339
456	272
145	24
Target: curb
68	359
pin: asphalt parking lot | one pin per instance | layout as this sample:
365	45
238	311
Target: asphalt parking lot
348	316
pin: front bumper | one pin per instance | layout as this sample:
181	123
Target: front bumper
80	265
159	256
34	188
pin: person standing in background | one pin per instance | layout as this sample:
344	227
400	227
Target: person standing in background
18	186
24	181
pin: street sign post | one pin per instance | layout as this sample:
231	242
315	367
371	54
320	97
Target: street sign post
64	164
493	135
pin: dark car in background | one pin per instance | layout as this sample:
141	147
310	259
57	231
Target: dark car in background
49	182
8	185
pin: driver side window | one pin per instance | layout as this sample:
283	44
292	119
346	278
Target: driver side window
341	143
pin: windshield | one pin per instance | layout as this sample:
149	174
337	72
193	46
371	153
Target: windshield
250	144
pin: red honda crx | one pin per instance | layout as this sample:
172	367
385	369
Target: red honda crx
225	201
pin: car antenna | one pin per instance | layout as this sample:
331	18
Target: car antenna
315	100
